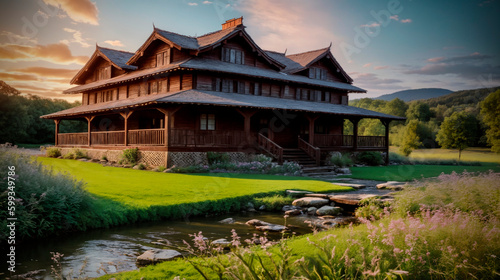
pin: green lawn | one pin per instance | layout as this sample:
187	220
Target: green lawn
413	172
470	154
142	189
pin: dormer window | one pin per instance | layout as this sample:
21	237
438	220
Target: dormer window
163	58
317	73
233	56
103	73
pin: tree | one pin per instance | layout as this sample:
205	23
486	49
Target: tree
457	132
396	107
410	139
490	109
419	111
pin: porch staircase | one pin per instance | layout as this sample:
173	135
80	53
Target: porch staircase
299	156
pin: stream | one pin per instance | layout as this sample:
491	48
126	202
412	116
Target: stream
116	249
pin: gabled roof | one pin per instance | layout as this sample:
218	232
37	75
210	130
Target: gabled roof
217	66
201	43
115	57
301	61
203	97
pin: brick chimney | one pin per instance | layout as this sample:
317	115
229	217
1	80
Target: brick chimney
232	22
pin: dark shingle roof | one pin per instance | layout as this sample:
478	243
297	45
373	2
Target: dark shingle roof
196	43
119	58
199	97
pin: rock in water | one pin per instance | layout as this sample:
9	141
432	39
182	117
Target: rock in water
293	212
255	222
310	202
329	210
227	221
272	227
156	256
311	210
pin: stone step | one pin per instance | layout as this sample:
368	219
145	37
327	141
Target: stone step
354	186
320	174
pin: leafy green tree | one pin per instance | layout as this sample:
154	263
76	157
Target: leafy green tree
396	107
457	132
419	111
410	139
490	109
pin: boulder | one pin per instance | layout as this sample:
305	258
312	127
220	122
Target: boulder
255	222
310	201
293	212
250	205
227	221
262	208
344	170
320	195
156	256
329	210
222	242
293	193
354	186
272	227
392	185
289	207
311	210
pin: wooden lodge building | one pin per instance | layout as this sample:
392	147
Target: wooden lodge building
178	97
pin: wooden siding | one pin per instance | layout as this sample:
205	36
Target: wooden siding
331	74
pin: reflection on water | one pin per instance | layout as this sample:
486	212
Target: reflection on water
96	252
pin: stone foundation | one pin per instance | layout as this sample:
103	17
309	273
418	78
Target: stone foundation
157	158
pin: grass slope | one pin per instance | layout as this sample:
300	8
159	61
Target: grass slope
143	189
414	172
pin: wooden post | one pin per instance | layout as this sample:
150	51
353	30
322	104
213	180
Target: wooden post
386	124
169	113
57	121
89	133
355	134
247	114
312	120
125	116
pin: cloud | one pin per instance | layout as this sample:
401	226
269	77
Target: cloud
56	53
367	65
45	72
83	11
282	24
207	2
77	38
16	38
380	67
435	59
394	17
406	20
115	43
373	79
373	24
192	4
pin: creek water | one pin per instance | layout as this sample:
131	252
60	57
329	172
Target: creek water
95	252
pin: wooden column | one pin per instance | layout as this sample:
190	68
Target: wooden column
89	121
386	124
169	113
125	116
355	134
312	120
57	131
247	114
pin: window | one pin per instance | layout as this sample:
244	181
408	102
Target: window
317	73
207	122
163	58
233	56
103	73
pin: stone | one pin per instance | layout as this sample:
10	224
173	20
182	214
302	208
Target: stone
250	205
136	167
350	199
255	222
222	242
262	208
293	212
310	201
354	186
311	210
392	185
156	256
329	210
289	207
320	195
272	227
344	170
227	221
293	193
83	159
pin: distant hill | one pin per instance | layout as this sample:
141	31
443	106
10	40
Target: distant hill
415	94
463	97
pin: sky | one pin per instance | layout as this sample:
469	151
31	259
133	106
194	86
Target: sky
384	45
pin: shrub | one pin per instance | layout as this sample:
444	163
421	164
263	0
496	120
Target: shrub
340	160
275	202
262	158
372	208
161	168
104	158
69	155
130	156
369	158
77	154
141	166
53	152
214	157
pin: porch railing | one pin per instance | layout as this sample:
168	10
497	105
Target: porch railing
147	137
71	139
192	138
321	140
108	137
272	148
313	152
